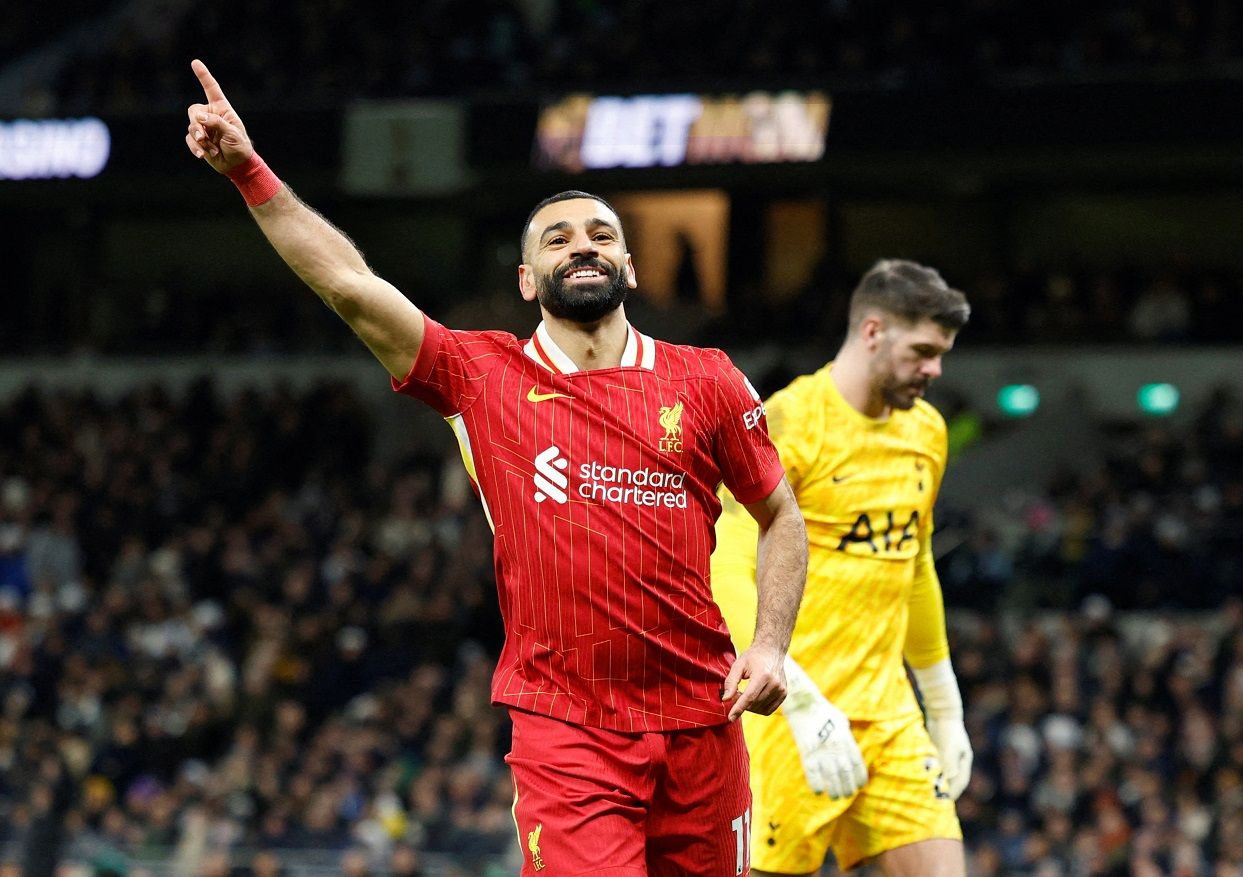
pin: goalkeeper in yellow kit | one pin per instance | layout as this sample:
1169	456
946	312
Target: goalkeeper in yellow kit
852	767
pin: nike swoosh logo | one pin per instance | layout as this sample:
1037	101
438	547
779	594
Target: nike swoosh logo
533	396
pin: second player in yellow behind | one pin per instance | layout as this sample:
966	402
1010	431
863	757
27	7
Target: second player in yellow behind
865	454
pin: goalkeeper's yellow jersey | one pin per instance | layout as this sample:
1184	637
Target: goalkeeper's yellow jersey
866	488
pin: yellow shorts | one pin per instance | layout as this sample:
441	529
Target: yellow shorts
793	828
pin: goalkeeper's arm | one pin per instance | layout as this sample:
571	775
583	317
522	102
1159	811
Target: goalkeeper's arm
927	652
938	687
830	755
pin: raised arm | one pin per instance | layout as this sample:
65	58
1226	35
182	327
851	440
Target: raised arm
318	252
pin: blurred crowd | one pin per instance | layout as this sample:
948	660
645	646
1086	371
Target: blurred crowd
1104	746
222	628
1155	523
230	636
1105	306
1056	306
322	51
227	632
28	26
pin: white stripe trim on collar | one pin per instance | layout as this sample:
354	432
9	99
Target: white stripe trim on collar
640	351
533	354
649	352
556	356
630	354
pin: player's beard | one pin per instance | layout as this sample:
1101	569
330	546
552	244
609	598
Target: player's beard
896	392
582	303
901	394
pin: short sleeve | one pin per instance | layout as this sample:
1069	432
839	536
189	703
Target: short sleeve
749	464
789	418
448	369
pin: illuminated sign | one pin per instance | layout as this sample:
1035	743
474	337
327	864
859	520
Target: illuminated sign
1158	399
45	149
1018	400
583	132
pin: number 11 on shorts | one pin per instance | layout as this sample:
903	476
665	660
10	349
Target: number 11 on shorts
742	834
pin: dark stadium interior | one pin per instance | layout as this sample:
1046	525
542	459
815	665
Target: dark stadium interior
247	609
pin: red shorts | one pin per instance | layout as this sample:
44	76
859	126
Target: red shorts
592	801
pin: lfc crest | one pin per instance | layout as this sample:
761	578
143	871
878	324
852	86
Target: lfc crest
537	860
671	420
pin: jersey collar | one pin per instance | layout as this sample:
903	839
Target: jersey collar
640	351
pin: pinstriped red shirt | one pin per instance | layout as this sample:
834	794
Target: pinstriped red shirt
600	487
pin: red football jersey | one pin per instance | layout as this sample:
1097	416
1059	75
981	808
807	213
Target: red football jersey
600	489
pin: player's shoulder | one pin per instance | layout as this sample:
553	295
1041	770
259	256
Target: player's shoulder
926	416
689	361
926	428
492	348
800	406
796	414
488	337
803	390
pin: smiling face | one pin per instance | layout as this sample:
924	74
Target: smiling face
905	357
575	262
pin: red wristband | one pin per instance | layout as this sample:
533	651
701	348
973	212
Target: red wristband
255	180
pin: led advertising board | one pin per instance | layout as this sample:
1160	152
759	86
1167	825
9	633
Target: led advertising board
47	149
583	132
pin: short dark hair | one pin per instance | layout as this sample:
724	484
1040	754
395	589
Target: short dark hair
567	195
910	292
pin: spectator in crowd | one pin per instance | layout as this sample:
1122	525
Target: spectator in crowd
1053	305
171	667
430	50
404	861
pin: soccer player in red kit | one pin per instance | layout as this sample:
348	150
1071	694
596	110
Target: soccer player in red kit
596	452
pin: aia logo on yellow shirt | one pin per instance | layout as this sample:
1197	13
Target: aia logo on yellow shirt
671	420
887	534
537	861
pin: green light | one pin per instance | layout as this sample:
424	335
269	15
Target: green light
1018	400
1158	399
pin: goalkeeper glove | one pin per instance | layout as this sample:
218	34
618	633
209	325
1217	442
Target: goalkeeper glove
943	715
830	755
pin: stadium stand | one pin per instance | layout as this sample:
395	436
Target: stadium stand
245	632
377	50
228	645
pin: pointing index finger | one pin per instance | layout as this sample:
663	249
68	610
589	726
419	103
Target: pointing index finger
211	87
